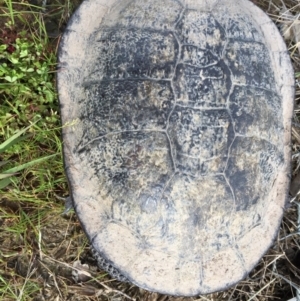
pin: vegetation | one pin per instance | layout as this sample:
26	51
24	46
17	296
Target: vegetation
40	247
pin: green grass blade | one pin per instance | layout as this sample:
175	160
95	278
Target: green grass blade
2	163
6	175
11	11
13	139
28	164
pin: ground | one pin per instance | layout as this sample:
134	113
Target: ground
44	254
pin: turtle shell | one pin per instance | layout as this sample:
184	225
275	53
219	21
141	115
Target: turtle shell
176	137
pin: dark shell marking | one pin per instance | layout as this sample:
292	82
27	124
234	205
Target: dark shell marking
179	158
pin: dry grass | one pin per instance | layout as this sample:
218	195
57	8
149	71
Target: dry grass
40	248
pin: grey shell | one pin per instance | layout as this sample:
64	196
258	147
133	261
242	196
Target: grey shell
176	137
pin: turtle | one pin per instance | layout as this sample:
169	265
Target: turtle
176	138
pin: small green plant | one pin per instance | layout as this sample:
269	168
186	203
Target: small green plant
26	80
26	70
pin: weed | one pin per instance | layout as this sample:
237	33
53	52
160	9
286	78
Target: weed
26	74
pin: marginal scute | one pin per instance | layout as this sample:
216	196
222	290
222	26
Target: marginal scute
251	167
130	240
177	137
230	272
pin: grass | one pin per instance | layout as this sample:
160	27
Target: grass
40	246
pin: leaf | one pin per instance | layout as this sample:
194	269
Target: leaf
10	79
4	183
14	60
3	47
23	53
